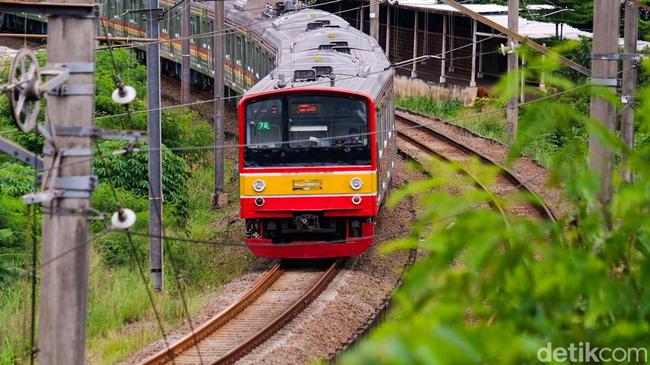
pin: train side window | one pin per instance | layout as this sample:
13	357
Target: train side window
378	136
228	47
392	117
174	27
238	49
384	125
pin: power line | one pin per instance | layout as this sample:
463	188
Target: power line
132	148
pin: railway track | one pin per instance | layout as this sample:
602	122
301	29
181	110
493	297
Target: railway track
279	296
420	140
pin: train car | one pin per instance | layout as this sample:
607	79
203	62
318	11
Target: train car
247	57
316	118
318	141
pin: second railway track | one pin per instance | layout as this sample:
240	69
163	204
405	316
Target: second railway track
419	139
279	296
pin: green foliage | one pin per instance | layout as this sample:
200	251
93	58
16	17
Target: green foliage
115	248
487	282
13	219
13	226
131	73
430	106
16	179
130	172
182	128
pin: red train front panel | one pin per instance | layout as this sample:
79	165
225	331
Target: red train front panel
308	173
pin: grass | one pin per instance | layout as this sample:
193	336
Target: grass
429	106
485	118
120	318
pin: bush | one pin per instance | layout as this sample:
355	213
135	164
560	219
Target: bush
16	179
486	282
130	171
182	127
13	221
430	106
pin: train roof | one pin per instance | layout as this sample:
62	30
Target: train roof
310	43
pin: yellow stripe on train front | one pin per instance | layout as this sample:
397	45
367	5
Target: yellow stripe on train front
307	183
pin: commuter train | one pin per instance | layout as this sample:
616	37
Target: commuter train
317	137
316	124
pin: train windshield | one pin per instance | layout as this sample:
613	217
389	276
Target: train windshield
307	130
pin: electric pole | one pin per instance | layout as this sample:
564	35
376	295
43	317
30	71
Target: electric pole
185	50
512	113
629	78
604	72
155	153
64	280
374	19
219	199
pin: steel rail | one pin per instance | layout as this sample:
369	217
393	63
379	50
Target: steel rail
190	341
539	204
285	317
218	321
494	202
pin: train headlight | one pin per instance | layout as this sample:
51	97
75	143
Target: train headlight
356	183
356	200
259	185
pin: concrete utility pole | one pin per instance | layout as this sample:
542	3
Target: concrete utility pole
604	72
219	199
513	66
155	153
64	281
185	60
629	78
374	19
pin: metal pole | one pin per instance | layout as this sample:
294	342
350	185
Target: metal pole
155	153
629	79
64	281
513	65
387	50
532	44
472	81
443	53
542	77
522	85
374	19
480	61
185	58
414	68
361	15
219	199
606	27
452	33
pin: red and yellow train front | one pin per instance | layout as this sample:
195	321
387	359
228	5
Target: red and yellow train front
308	178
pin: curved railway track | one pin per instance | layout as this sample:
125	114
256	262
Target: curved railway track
419	140
279	296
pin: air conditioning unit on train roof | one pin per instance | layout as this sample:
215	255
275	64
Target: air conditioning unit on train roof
240	4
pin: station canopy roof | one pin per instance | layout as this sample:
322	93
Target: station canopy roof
499	13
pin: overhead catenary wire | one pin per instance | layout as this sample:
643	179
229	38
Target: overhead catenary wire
119	207
240	244
243	28
129	149
475	206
